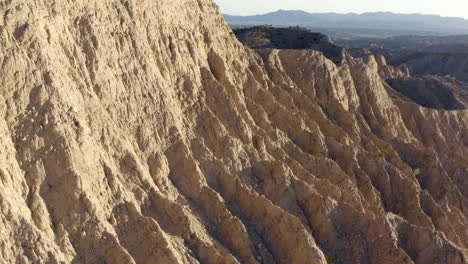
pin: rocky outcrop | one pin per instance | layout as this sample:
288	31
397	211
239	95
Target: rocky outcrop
263	37
441	64
144	132
432	91
439	60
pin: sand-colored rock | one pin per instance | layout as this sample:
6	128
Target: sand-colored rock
144	132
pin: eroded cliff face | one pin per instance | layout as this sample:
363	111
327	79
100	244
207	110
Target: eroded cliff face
144	132
424	59
454	64
433	91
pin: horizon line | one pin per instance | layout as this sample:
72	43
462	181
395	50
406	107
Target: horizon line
349	13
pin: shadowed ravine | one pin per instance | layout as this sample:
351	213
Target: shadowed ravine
145	132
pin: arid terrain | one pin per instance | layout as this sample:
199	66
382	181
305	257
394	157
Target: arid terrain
146	132
268	37
375	24
422	55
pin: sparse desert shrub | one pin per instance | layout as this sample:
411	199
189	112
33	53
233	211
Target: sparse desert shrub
382	153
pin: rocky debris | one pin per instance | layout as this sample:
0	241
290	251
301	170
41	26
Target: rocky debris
144	132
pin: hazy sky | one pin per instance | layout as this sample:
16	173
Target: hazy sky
458	8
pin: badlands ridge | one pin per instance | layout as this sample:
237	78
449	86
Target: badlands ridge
145	132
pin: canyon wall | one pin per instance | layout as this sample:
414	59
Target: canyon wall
144	132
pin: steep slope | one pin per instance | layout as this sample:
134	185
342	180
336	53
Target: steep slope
441	64
422	55
432	91
144	132
421	63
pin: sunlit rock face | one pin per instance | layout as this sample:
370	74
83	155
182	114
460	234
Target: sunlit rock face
144	132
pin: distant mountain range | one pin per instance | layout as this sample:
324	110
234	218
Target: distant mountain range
410	23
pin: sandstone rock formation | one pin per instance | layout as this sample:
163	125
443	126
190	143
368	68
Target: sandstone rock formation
144	132
440	60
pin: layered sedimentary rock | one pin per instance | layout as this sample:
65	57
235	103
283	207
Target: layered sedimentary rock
440	60
454	64
144	132
432	91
